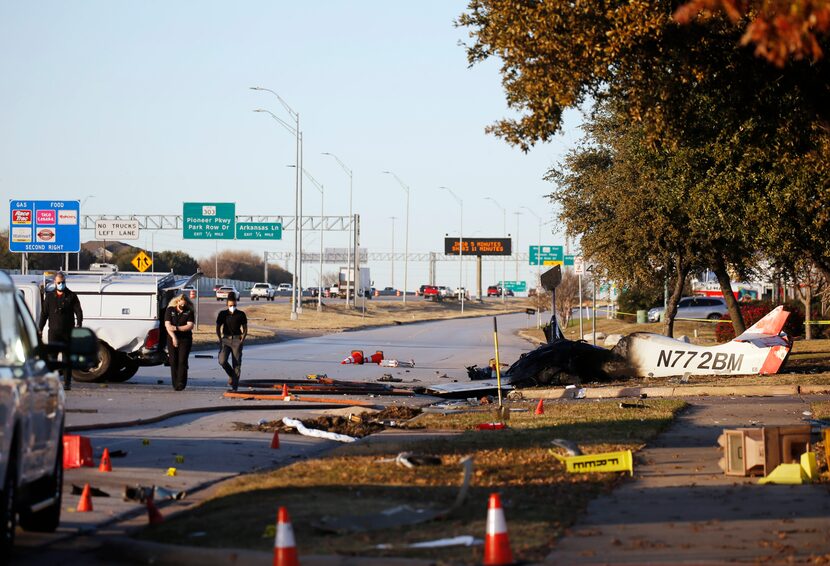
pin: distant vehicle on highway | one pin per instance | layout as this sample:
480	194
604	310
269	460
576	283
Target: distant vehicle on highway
459	291
431	293
496	291
693	307
264	291
445	292
190	291
225	290
387	292
420	290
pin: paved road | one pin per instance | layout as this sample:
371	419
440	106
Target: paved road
210	446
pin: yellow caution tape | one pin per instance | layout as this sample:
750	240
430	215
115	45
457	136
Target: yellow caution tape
605	462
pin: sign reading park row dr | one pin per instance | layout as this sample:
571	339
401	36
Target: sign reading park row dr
479	246
44	226
209	221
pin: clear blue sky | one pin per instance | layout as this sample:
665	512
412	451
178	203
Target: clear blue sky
146	104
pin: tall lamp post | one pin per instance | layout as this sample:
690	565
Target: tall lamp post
352	238
322	198
296	309
406	237
83	202
503	258
460	245
392	263
516	247
539	246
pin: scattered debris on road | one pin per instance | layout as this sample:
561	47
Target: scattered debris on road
357	423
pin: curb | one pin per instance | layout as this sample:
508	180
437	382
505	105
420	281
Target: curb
689	391
196	410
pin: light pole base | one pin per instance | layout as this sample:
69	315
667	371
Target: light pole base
293	316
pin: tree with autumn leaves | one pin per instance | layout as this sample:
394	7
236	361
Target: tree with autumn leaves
707	142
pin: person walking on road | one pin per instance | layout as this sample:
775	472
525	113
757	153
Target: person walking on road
179	321
61	309
231	329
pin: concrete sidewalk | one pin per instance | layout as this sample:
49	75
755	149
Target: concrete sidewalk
681	508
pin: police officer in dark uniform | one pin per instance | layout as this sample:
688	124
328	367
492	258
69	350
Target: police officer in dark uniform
61	308
231	329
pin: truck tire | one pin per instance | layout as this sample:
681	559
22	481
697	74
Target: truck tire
99	371
47	520
8	513
122	369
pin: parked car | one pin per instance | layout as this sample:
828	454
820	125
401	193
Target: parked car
445	292
264	291
31	418
225	290
712	308
387	292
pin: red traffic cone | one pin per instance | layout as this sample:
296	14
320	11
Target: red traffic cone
540	408
348	360
376	358
496	544
106	465
154	516
357	355
285	549
275	441
85	504
285	391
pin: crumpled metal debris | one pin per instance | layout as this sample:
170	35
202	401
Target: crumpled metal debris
143	493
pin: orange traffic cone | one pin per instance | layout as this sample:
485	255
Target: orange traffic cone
358	356
154	516
376	358
285	391
496	544
85	504
275	441
285	549
540	408
106	465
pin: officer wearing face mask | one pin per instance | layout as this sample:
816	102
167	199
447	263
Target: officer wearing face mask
61	308
231	329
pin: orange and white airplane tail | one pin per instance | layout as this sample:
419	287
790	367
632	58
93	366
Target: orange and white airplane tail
766	333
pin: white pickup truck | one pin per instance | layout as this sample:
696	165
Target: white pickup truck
123	309
264	291
31	419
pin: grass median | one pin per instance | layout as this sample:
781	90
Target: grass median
541	500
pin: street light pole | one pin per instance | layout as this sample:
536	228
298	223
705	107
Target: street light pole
322	217
83	202
350	252
392	262
518	214
295	309
539	248
503	258
406	237
460	246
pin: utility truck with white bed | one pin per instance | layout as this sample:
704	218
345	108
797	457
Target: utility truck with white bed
124	309
346	279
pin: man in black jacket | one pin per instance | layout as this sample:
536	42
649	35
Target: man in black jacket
231	329
61	308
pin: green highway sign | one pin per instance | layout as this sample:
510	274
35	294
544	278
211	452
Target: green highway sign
515	286
259	231
551	255
569	260
209	220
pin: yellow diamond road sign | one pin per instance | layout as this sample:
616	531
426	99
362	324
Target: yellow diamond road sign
142	261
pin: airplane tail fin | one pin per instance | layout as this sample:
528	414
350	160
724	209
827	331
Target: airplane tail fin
770	325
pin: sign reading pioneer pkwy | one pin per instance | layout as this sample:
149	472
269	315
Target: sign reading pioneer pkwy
478	246
209	221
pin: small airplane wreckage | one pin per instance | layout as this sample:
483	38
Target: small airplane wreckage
760	350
